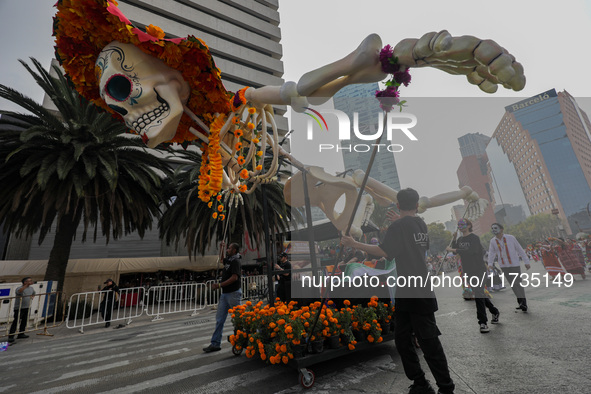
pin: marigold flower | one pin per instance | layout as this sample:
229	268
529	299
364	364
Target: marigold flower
259	167
220	208
351	347
215	215
285	359
238	133
260	153
238	146
235	120
242	188
255	140
244	174
250	125
347	302
370	338
252	110
222	217
209	204
240	160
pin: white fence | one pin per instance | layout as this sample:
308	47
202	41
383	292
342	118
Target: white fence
41	314
104	307
162	300
92	308
254	287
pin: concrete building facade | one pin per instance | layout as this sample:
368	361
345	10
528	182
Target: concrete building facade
540	158
473	172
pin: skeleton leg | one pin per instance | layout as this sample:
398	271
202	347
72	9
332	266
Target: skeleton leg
317	86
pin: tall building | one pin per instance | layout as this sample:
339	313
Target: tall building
540	158
361	99
244	39
473	144
473	172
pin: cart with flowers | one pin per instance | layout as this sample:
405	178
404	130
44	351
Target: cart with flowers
301	336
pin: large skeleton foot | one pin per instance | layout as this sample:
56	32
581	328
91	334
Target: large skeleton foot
325	191
484	62
364	57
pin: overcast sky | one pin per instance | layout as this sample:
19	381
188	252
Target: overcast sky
549	38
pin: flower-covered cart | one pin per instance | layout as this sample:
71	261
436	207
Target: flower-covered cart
300	336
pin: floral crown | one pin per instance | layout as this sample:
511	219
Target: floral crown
82	28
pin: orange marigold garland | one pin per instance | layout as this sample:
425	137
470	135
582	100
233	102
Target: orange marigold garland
211	171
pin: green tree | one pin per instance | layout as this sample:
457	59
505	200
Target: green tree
531	230
188	221
71	167
439	238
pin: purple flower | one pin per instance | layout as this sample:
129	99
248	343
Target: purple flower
387	60
390	91
402	77
388	98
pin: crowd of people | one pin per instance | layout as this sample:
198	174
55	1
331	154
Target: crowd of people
561	256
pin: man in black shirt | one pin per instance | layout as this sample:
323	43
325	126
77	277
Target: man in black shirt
110	301
407	241
230	297
471	252
284	288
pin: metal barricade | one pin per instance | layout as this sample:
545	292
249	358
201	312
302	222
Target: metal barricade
41	315
187	297
254	287
212	297
104	307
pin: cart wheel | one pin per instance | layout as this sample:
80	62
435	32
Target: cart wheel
236	352
307	378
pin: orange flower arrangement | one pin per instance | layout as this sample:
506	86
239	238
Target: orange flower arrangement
211	171
272	331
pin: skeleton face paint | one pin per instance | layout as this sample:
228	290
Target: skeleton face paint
462	224
496	229
147	93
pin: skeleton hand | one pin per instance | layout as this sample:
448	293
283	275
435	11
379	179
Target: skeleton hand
484	62
475	209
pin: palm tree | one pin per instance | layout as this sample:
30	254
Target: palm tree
189	220
71	167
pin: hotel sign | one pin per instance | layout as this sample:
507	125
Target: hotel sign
532	101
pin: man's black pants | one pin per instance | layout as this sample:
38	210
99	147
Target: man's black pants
482	301
23	316
513	277
427	333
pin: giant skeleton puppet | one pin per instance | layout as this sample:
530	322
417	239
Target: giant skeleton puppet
169	90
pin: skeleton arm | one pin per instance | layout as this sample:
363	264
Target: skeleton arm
484	62
385	196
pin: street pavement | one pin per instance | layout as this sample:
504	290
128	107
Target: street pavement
547	350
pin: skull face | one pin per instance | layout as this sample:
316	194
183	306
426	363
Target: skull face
147	93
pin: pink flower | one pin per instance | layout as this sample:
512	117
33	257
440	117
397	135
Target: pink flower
388	60
388	98
402	77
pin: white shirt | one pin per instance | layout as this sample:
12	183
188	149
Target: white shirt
498	249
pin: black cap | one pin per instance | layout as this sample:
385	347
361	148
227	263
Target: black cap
108	280
283	254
